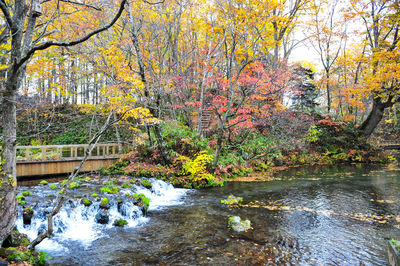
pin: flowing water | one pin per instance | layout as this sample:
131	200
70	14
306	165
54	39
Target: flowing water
307	216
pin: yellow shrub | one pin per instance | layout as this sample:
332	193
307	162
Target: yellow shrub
197	168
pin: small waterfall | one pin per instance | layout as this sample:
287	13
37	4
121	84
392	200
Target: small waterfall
76	222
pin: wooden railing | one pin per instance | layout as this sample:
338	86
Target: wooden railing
389	145
66	152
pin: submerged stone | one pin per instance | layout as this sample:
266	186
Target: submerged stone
239	225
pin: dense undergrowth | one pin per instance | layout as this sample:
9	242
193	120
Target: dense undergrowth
286	138
324	142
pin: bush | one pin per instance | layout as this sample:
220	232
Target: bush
181	140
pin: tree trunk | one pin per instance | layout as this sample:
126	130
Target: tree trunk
8	185
217	154
328	92
374	117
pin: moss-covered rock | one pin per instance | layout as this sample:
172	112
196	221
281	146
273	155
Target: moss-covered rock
141	201
232	200
120	222
27	215
43	182
21	255
87	202
239	225
146	183
105	203
74	185
26	193
16	239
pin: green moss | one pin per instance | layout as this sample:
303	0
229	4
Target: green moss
53	186
43	182
20	200
73	185
141	200
396	244
26	193
18	256
86	179
94	195
120	222
26	256
110	188
20	197
104	202
146	183
28	209
64	182
232	200
87	202
126	185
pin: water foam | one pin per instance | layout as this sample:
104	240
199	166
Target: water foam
77	222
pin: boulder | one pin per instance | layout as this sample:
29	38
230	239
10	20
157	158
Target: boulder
27	215
105	204
16	239
87	202
120	222
102	217
119	205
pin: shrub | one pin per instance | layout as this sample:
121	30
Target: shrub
197	168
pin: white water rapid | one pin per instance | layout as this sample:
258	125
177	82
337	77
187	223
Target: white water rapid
76	222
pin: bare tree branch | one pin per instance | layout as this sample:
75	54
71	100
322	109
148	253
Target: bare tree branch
154	3
4	10
81	4
46	45
60	197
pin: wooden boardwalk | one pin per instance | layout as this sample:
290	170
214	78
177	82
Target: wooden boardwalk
62	159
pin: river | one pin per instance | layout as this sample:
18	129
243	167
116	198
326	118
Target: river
309	216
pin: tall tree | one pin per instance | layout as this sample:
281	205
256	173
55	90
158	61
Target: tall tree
381	20
327	37
21	25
